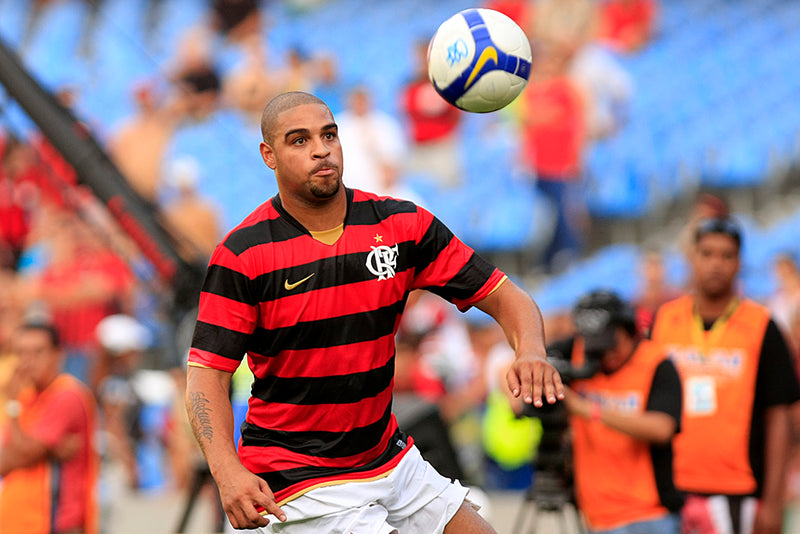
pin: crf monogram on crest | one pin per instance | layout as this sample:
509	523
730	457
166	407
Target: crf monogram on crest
382	261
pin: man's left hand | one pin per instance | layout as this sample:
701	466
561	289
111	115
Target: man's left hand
534	377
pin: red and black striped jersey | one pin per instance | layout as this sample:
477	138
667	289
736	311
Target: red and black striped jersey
317	322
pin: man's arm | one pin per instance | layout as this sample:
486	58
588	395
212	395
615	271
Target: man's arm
530	375
657	424
211	417
21	450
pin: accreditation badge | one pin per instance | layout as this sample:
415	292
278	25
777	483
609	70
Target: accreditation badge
701	395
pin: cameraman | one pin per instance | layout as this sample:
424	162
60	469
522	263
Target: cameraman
622	419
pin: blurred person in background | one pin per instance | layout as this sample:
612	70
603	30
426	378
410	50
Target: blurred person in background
236	20
553	126
653	290
622	420
137	146
731	457
48	463
195	218
373	143
82	282
327	82
563	23
432	126
704	206
627	25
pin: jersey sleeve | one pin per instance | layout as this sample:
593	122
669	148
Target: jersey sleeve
666	392
227	314
776	382
449	268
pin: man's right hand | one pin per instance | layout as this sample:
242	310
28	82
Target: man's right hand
243	494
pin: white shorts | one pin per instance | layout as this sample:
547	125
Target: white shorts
413	498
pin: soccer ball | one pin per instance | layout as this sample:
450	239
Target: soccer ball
479	60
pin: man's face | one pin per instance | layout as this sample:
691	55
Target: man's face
715	263
305	153
39	359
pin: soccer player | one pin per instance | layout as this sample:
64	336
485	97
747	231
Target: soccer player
738	382
312	286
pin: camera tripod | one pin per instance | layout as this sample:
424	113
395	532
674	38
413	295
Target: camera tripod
548	497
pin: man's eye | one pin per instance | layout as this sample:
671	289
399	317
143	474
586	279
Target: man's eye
330	135
298	141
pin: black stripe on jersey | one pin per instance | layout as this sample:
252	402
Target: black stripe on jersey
328	272
435	239
324	333
283	479
475	273
374	211
262	232
338	389
230	284
319	443
219	340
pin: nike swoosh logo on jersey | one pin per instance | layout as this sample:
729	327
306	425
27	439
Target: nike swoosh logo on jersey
489	54
289	286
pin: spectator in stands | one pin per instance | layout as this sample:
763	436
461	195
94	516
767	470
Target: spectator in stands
731	457
327	83
82	282
605	84
195	218
236	20
137	146
653	290
563	23
48	462
18	200
432	125
250	82
627	25
705	206
373	143
553	139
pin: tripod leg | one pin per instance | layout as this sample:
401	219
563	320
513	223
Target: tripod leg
527	504
198	481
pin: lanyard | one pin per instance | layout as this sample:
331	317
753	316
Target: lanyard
706	340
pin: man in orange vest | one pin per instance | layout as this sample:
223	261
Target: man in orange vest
738	382
623	419
47	460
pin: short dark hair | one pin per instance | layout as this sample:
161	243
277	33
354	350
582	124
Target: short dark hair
43	326
718	225
279	104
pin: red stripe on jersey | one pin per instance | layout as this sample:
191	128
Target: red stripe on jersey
305	249
334	301
224	257
209	359
446	265
341	360
227	313
320	417
267	459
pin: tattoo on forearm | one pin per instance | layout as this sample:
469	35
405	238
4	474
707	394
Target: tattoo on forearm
201	417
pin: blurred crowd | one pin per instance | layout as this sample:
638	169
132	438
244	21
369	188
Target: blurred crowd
63	260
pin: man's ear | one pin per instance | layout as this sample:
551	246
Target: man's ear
268	155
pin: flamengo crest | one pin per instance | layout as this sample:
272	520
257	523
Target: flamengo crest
382	261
